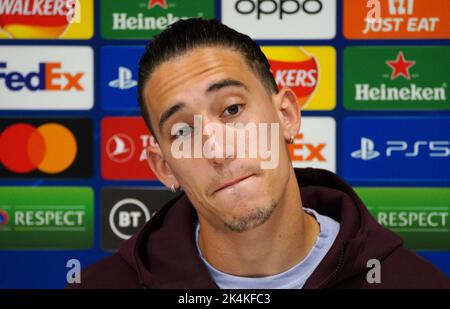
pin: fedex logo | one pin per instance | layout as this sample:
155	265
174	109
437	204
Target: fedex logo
46	78
308	151
315	144
49	76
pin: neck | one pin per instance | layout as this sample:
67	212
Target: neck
277	245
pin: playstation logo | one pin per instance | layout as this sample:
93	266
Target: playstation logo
124	79
367	150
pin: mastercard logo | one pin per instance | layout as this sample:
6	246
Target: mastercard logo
293	67
50	148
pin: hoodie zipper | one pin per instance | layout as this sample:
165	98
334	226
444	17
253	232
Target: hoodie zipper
338	267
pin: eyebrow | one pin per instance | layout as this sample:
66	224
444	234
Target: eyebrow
225	83
169	112
216	86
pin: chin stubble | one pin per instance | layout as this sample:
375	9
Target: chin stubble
252	220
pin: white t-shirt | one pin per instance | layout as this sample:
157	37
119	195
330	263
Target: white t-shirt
293	278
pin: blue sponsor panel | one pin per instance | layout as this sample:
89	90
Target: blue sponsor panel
118	77
415	149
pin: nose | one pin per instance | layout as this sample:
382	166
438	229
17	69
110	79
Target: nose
217	146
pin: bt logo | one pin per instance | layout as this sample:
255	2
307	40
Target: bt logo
279	7
127	216
48	77
432	148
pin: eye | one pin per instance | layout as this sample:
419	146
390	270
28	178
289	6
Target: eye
233	110
182	132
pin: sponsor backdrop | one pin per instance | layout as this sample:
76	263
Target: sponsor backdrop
74	181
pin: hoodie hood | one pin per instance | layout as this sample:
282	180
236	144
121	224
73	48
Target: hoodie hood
164	254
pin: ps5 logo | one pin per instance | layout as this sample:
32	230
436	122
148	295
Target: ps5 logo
402	148
124	79
366	151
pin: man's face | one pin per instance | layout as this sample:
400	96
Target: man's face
218	85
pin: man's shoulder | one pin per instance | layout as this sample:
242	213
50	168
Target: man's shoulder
403	269
112	272
409	270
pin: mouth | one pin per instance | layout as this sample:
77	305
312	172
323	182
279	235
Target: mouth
232	183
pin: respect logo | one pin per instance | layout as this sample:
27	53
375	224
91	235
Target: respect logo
419	215
46	19
46	218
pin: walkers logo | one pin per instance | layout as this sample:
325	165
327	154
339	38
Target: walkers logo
45	148
281	19
412	78
143	19
126	210
124	144
119	77
419	215
315	144
42	218
46	78
46	19
396	19
309	71
396	149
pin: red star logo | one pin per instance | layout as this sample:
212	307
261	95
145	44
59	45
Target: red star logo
161	3
400	66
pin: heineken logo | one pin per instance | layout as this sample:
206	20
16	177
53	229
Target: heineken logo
123	21
396	78
400	66
143	19
161	3
367	92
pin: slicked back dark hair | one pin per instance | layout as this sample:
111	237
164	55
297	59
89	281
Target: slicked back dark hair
186	35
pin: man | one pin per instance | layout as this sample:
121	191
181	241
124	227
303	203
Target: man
242	222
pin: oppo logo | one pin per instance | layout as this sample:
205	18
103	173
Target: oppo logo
279	7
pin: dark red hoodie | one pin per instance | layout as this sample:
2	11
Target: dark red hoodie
163	253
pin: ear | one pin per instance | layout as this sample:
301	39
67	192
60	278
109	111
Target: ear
160	167
288	110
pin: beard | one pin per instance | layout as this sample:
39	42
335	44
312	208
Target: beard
253	219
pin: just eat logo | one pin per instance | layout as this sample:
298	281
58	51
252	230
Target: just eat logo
49	76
